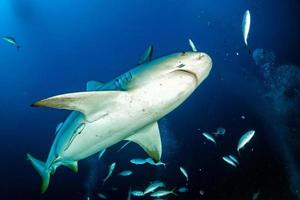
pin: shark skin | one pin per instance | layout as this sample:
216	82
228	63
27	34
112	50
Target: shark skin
126	108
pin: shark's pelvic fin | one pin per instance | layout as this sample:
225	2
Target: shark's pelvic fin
88	103
73	165
40	167
93	85
149	139
147	56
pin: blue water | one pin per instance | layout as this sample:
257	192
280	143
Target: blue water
65	43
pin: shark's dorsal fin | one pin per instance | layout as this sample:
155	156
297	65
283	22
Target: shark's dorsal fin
93	85
149	139
88	103
147	56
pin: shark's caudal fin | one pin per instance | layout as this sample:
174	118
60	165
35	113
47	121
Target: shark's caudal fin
40	167
149	139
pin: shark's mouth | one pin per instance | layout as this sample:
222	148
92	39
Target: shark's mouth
189	72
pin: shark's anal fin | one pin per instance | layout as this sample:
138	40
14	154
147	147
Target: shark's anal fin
88	103
93	85
149	139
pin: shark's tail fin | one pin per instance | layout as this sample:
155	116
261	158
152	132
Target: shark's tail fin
40	167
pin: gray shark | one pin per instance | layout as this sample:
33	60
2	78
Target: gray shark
126	108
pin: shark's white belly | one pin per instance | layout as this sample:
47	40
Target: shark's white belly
140	107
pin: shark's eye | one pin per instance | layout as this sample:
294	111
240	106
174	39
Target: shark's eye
180	66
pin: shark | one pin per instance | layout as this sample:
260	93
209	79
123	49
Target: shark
125	108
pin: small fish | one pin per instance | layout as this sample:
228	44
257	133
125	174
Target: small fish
102	196
209	137
201	192
246	26
129	194
243	117
137	193
192	45
114	189
255	196
125	173
124	145
245	139
153	186
138	161
111	169
229	161
184	172
151	162
162	193
101	153
234	159
183	189
12	41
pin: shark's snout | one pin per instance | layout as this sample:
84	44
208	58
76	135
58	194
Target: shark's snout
198	64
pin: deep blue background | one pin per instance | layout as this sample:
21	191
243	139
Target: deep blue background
65	43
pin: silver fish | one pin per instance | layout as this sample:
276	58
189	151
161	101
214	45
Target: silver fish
245	139
125	173
129	194
138	161
153	186
101	153
246	26
229	161
234	159
137	193
151	162
12	41
102	196
184	172
183	189
201	192
124	145
192	45
162	193
111	169
209	137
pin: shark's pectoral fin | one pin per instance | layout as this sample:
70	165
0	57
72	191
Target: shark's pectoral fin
93	85
91	104
149	139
